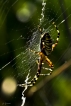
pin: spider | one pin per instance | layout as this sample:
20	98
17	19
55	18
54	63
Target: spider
46	47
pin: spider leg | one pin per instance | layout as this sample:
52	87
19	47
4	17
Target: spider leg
48	69
33	51
45	74
35	78
57	39
49	63
38	53
43	57
37	61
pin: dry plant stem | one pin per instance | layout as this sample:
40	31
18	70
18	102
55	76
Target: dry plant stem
36	87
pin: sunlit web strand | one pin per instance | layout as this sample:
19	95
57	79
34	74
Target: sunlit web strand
24	98
42	14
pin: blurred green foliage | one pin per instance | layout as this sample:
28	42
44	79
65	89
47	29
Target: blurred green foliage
19	18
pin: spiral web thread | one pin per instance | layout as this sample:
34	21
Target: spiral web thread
40	23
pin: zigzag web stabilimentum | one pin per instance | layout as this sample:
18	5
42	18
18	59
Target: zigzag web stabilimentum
32	46
23	62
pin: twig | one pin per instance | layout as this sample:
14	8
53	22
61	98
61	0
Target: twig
62	68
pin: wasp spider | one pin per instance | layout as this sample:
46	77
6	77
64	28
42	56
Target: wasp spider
46	47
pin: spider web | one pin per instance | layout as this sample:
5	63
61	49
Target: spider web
22	61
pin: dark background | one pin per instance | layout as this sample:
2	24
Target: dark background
18	20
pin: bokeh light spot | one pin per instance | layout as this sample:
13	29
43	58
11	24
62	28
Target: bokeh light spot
25	12
9	86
